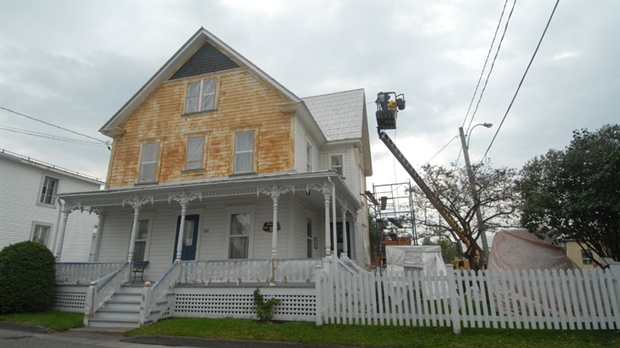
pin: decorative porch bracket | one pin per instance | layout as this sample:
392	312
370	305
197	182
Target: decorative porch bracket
183	199
66	209
136	203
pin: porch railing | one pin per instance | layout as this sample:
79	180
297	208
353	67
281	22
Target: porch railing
294	270
84	272
154	302
103	289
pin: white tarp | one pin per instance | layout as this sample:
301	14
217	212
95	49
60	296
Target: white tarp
518	249
426	258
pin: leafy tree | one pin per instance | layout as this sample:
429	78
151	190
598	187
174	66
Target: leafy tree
376	238
575	193
497	198
27	278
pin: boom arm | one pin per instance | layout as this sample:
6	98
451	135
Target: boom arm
472	247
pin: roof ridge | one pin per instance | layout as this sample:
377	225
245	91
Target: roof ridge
332	93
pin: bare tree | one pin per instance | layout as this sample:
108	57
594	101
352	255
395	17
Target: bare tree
498	200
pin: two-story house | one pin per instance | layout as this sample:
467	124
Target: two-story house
29	209
214	159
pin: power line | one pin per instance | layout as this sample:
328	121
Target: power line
53	125
443	148
523	78
51	136
499	46
485	64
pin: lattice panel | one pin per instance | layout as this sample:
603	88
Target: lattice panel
299	307
69	301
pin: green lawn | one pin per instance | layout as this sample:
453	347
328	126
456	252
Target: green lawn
377	336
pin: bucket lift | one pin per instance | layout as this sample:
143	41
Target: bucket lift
388	105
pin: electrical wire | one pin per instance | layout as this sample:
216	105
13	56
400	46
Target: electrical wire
443	148
499	46
522	78
53	125
471	102
51	136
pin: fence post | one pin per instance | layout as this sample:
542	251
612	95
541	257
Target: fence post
146	303
614	267
454	301
89	306
318	272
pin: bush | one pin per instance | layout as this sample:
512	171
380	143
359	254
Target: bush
264	309
27	278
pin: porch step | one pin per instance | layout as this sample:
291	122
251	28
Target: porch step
121	310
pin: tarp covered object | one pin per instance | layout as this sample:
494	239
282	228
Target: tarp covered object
422	257
426	258
518	249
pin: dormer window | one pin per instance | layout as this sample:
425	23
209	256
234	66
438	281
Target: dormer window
200	96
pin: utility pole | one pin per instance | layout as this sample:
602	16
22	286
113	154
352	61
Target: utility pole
474	193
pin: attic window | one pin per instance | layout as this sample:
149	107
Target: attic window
200	96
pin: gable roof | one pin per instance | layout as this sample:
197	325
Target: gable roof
183	55
342	117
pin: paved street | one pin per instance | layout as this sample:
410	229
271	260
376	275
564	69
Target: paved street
13	335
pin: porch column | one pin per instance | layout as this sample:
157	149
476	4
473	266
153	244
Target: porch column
132	238
95	256
183	199
274	192
334	220
345	248
136	203
327	194
66	210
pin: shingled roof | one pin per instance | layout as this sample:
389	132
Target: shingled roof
340	115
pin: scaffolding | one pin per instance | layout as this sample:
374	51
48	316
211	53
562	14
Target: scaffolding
392	206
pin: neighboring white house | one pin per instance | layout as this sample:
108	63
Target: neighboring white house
29	208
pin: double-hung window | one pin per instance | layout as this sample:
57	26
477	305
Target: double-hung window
200	96
50	185
139	249
148	162
41	234
308	158
195	153
239	239
244	152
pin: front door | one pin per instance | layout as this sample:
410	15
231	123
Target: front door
190	236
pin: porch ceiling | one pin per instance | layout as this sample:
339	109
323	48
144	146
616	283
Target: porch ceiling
297	183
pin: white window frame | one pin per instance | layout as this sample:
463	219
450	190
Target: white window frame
36	229
44	193
206	88
237	151
335	168
309	157
198	160
143	162
149	230
250	210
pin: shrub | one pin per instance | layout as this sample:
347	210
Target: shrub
27	278
264	309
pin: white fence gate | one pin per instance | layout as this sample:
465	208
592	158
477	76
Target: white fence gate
580	299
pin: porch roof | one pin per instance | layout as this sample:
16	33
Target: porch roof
231	186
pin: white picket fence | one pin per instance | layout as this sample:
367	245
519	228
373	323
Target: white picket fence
550	299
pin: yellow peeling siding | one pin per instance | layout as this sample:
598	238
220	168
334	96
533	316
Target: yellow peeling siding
244	102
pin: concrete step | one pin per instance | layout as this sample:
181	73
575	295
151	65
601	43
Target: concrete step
128	324
122	305
117	314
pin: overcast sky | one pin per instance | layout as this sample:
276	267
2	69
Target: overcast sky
75	63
